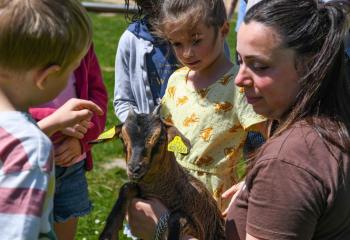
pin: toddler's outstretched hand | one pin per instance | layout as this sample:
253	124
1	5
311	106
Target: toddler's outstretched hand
72	112
78	130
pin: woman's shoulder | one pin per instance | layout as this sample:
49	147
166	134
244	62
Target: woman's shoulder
295	142
302	146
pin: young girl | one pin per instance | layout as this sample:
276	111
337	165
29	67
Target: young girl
201	99
144	63
72	152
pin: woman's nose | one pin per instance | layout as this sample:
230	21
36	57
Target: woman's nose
243	78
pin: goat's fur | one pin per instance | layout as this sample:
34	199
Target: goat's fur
154	172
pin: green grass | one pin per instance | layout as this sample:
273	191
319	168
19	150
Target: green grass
104	183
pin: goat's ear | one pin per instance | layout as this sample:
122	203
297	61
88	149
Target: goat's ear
176	141
108	135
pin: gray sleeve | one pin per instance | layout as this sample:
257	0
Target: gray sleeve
123	94
250	3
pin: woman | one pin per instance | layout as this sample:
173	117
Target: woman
292	70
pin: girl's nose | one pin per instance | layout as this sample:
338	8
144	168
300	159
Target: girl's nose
243	78
188	52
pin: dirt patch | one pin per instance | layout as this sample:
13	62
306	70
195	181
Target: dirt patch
115	163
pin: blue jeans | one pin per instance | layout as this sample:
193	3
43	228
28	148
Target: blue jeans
71	194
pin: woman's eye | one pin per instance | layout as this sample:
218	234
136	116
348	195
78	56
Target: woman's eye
259	66
238	60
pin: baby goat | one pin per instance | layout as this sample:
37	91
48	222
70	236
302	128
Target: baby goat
154	172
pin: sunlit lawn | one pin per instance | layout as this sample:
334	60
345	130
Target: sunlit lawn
104	183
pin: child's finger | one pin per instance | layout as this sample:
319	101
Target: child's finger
81	104
63	159
60	149
72	133
232	190
80	128
85	123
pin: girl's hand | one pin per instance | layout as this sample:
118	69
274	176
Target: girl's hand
68	152
143	217
232	193
78	130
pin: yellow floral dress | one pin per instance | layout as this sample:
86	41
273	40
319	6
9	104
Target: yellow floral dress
215	120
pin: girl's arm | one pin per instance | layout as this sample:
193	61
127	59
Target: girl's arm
97	93
123	95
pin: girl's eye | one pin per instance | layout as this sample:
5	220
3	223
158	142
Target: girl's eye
196	41
176	44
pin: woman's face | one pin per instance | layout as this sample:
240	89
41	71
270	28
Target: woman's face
267	70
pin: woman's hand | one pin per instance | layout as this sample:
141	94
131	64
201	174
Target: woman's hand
143	217
232	193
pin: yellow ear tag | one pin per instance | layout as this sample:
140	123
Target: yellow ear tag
105	136
110	133
177	145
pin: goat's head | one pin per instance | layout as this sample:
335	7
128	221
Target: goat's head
145	138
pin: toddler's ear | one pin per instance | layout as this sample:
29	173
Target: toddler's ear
42	75
225	29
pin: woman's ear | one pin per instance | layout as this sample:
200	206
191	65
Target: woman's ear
42	75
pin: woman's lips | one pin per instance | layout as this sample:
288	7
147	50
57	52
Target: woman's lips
252	100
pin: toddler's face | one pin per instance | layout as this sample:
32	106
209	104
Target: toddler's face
199	47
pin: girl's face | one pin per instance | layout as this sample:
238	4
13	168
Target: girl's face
267	71
200	47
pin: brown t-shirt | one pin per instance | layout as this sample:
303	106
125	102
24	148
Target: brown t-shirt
297	189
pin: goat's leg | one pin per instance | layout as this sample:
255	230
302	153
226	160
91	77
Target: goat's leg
175	224
116	217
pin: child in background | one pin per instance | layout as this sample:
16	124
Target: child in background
201	99
144	63
72	151
39	50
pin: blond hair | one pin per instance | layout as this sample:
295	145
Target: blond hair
40	33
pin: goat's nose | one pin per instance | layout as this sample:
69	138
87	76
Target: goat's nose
135	168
